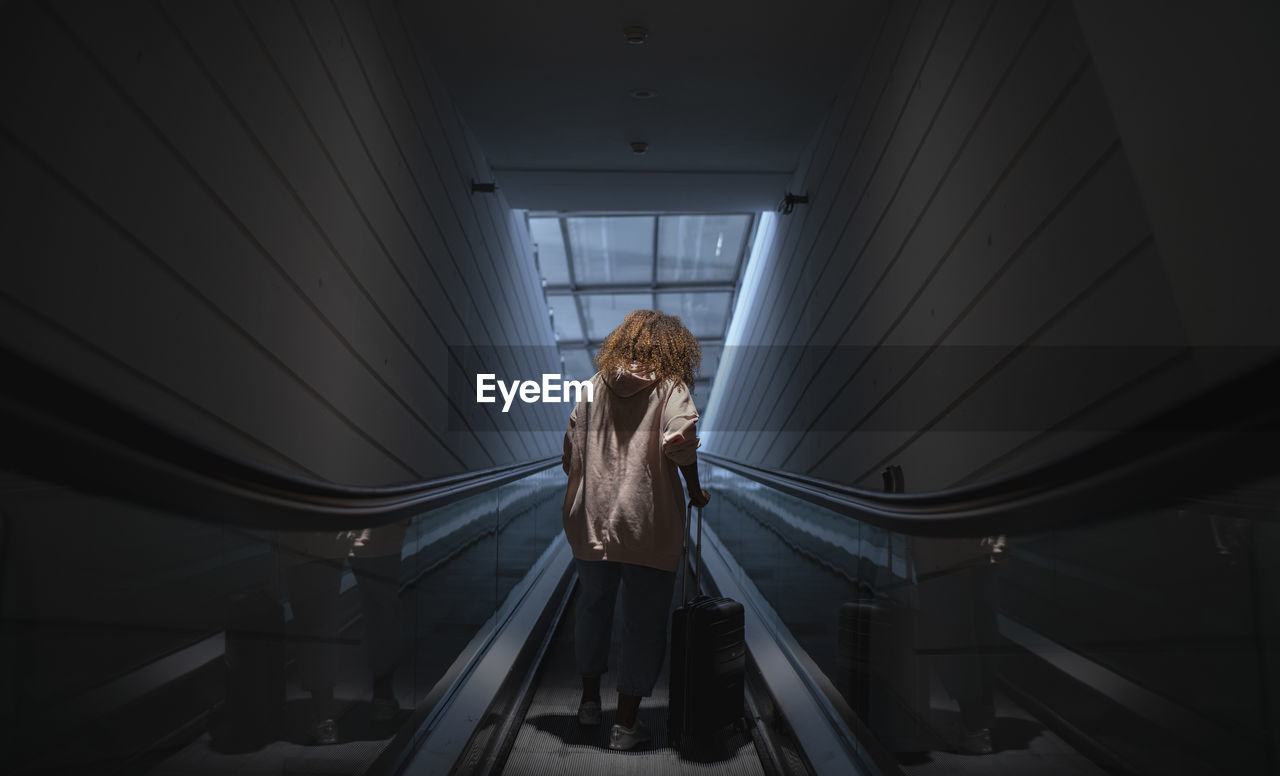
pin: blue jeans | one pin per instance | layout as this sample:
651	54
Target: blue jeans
646	608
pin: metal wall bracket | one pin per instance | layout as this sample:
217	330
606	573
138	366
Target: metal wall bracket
789	202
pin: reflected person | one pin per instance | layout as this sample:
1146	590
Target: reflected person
314	568
314	563
958	626
375	562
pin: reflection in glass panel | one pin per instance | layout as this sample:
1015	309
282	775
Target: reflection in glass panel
705	314
177	617
700	247
452	548
946	644
577	364
605	311
546	235
612	250
567	324
524	510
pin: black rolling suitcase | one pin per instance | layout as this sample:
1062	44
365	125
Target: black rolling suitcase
708	660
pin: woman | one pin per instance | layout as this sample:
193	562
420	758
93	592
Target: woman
624	508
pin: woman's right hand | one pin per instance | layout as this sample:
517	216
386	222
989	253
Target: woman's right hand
700	502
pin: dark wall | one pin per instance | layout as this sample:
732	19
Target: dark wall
977	284
1192	87
253	223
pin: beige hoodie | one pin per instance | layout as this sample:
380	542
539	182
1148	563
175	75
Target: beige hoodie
627	446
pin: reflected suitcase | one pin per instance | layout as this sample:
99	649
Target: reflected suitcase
255	674
708	661
886	687
886	682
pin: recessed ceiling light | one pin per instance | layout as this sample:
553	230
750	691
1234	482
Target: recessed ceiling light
636	35
639	146
643	94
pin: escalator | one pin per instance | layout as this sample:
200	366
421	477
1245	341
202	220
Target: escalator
547	738
1128	623
137	565
119	620
1093	657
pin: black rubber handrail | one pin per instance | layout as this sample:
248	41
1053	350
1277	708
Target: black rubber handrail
59	431
1221	439
55	430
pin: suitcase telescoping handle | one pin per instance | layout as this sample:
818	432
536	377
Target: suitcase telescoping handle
697	565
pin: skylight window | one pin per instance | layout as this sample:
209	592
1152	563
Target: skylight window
600	267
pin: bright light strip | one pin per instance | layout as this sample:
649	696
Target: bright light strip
761	249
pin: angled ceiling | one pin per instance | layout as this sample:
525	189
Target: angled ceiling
740	88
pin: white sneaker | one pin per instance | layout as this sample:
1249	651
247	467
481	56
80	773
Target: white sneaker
589	713
622	739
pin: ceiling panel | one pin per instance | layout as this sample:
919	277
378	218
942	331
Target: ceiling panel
705	314
605	311
612	249
740	86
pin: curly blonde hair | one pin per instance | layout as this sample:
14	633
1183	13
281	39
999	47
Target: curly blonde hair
654	340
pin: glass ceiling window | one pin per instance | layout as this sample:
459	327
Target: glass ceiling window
705	314
700	247
577	364
564	315
545	233
611	250
605	311
688	265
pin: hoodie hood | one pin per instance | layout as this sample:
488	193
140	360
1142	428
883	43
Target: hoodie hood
631	381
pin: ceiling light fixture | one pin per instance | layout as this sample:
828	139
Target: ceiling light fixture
636	35
639	146
643	94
